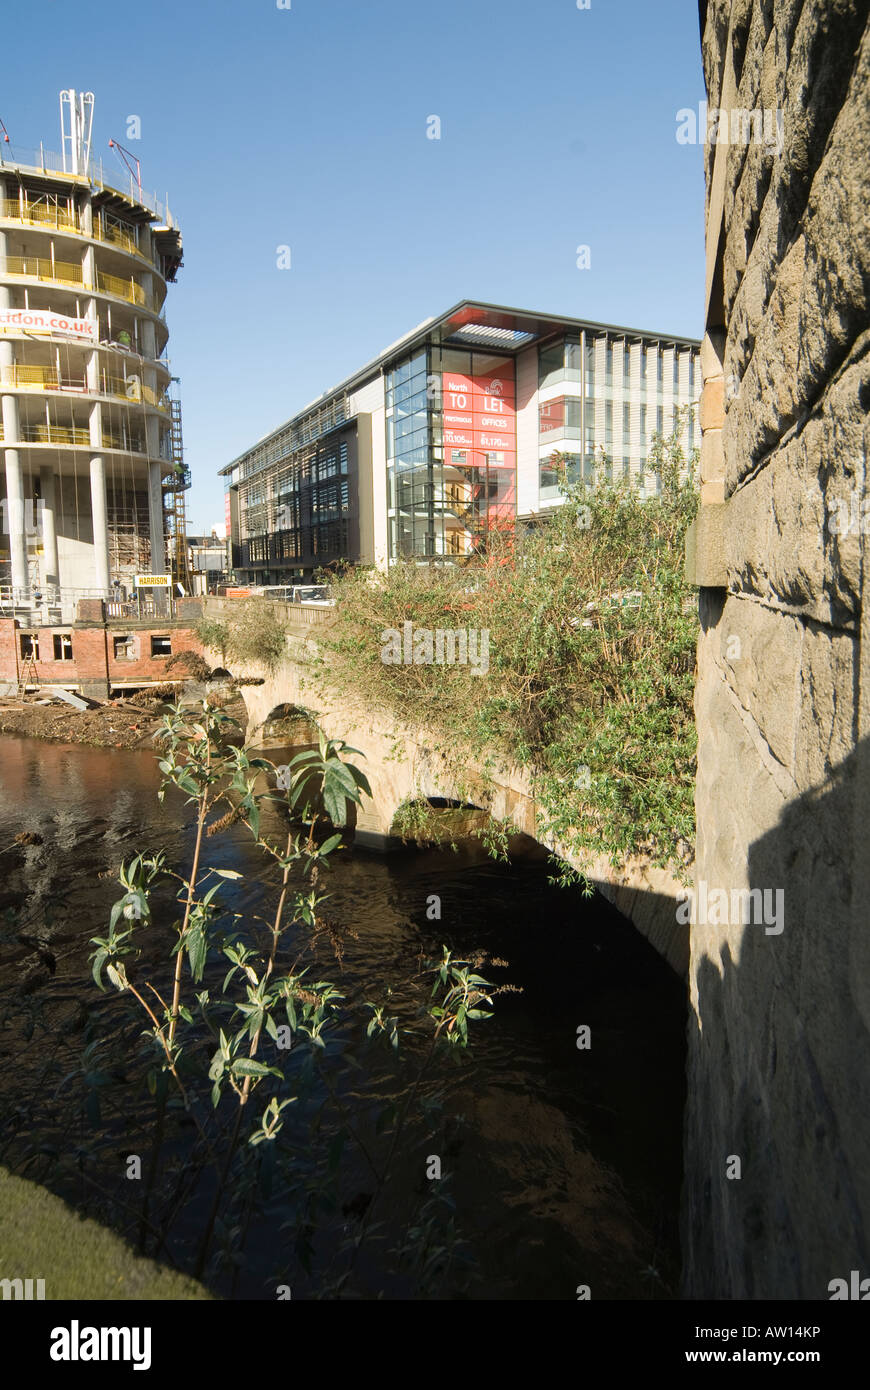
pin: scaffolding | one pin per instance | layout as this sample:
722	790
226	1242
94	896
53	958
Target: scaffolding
174	489
129	541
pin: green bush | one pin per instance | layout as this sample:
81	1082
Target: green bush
592	633
253	632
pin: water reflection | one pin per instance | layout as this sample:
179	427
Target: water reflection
564	1164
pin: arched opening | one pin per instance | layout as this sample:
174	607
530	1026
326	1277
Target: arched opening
433	821
288	726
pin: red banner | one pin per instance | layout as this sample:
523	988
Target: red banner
479	441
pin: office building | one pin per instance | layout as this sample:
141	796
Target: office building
449	435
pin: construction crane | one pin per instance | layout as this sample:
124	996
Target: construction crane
174	488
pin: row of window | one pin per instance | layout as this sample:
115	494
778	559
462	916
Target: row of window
564	361
572	468
313	489
325	541
124	648
295	436
561	418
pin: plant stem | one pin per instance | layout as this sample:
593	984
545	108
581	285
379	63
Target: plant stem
200	823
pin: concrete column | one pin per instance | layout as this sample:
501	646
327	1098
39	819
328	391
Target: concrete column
101	529
148	334
50	568
14	510
155	517
148	349
99	514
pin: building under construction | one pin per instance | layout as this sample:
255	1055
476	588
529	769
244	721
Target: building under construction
94	472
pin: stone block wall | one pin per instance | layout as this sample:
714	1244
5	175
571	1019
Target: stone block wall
779	1048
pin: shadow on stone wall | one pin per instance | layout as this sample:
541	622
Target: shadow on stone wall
778	1067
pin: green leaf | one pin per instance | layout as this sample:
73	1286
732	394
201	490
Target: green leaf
334	805
248	1066
99	960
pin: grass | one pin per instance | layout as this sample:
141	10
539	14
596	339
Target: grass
43	1238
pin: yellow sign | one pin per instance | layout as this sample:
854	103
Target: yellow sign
152	581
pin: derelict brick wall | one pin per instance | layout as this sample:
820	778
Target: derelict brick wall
780	1032
90	662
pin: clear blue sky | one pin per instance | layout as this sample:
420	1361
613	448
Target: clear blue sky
306	127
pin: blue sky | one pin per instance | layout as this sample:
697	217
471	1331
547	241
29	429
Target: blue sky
306	127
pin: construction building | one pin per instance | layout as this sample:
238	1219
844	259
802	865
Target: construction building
450	434
91	434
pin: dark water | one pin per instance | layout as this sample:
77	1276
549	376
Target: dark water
564	1164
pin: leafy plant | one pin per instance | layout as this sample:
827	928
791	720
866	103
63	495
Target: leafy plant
592	635
215	634
244	1002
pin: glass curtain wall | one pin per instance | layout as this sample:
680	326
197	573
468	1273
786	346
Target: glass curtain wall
451	453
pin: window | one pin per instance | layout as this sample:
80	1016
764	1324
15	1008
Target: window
608	365
643	424
676	372
552	472
29	646
161	646
551	363
660	419
659	366
626	362
626	422
124	648
572	359
560	417
62	646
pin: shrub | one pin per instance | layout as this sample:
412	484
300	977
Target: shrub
592	633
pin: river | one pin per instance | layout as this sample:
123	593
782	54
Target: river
564	1163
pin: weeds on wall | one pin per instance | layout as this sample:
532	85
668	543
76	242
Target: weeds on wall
253	633
592	635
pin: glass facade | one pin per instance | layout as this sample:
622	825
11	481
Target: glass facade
451	452
297	518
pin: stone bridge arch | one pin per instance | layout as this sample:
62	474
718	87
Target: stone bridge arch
401	765
398	763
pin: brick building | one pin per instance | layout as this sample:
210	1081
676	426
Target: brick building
98	654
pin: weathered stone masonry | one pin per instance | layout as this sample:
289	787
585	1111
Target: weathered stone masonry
779	1048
